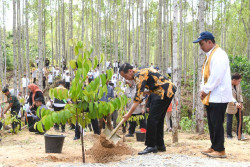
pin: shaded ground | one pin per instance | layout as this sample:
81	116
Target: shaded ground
28	149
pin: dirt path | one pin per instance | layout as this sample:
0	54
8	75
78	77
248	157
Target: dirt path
27	149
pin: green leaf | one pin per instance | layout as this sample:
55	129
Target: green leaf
95	63
118	103
112	109
55	117
100	94
86	66
76	50
72	64
79	44
37	111
103	78
85	106
48	123
102	58
51	93
91	50
39	126
91	107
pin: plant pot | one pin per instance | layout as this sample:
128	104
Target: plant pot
140	136
53	143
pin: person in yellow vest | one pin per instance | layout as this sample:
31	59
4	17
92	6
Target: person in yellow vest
215	91
235	107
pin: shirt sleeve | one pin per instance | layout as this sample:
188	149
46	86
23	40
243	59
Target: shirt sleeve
141	80
218	68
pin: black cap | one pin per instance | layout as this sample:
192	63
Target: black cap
4	90
39	99
204	35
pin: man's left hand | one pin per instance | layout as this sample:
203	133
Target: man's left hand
202	95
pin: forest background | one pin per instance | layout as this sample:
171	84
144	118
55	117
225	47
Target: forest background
140	32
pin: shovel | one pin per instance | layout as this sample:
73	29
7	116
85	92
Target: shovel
111	136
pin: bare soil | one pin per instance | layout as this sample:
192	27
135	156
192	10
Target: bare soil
28	149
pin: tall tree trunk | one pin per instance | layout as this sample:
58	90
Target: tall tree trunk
159	62
82	35
4	43
213	17
19	44
64	57
164	37
137	35
200	107
14	47
27	40
125	35
133	29
194	59
71	52
175	73
142	35
59	35
40	45
185	48
52	41
146	33
129	3
167	38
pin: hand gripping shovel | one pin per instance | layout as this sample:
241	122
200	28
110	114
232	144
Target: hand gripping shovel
109	138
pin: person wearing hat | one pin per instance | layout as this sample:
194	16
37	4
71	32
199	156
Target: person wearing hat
215	91
148	78
39	103
14	105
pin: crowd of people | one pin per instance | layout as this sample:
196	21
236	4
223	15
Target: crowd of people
150	92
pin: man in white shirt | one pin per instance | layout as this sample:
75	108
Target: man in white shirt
25	83
215	91
96	73
50	78
67	80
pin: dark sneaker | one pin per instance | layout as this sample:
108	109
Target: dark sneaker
76	138
161	148
129	135
148	150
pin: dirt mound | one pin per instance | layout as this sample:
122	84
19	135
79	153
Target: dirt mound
101	154
106	143
199	137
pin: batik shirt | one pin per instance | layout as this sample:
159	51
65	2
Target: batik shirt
154	81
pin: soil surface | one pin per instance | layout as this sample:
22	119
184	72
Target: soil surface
28	149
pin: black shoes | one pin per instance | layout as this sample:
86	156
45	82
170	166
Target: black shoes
148	150
129	135
161	148
76	138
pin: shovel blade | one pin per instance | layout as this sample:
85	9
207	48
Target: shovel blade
115	138
107	132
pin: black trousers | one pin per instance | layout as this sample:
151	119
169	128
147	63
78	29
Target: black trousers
155	122
67	85
230	122
215	118
133	124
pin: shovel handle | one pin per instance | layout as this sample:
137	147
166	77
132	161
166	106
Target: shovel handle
117	127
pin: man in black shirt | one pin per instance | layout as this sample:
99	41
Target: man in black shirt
14	105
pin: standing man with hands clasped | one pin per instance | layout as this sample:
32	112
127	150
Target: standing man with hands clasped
216	91
156	83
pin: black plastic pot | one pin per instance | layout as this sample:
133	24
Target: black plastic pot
140	136
53	143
